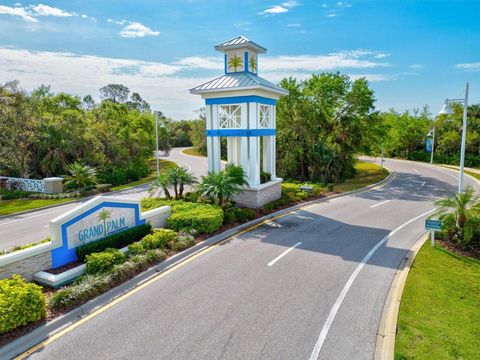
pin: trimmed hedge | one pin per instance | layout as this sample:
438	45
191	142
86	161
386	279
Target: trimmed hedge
235	214
189	216
117	241
20	303
104	261
160	239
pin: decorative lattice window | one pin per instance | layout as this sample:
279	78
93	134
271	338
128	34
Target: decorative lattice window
229	116
264	116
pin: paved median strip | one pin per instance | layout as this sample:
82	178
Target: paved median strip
283	254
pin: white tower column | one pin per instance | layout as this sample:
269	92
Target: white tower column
209	126
216	158
253	146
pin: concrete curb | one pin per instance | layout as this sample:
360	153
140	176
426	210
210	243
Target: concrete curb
387	330
43	332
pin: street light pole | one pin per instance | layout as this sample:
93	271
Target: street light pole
447	111
464	137
156	136
433	145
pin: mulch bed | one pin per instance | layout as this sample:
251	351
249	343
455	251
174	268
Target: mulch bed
473	253
64	268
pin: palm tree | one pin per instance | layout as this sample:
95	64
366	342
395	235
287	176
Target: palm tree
459	214
235	62
80	175
220	186
179	177
253	63
103	216
162	182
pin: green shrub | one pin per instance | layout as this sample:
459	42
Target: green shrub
136	248
104	261
90	286
265	177
160	239
20	303
183	242
234	214
13	194
118	241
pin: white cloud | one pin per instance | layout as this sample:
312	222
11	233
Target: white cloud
294	25
468	66
331	15
417	66
279	9
158	83
45	10
18	12
121	22
197	62
373	77
136	30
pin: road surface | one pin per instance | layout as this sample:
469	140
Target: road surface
33	226
309	285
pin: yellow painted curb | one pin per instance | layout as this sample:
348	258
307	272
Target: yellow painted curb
387	330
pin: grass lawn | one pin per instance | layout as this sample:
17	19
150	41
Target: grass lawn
192	151
12	206
440	309
367	174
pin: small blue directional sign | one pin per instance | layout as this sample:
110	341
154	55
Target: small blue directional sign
431	224
428	145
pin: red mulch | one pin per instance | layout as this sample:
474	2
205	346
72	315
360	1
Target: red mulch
64	268
473	253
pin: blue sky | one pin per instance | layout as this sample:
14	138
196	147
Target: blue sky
413	52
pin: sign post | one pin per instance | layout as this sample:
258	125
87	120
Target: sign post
433	225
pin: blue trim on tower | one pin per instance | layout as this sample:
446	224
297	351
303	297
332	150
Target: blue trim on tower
241	132
240	99
246	61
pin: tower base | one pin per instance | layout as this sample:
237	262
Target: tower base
257	196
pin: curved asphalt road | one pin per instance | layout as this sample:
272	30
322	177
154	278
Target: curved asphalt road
33	226
309	285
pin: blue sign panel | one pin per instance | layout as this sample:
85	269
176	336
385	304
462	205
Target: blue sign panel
89	222
428	145
431	224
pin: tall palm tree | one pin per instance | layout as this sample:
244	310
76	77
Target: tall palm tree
81	175
459	214
235	62
103	216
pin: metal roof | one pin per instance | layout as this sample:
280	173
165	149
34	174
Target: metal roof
241	81
239	42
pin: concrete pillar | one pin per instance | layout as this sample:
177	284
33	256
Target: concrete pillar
253	146
209	126
53	185
216	156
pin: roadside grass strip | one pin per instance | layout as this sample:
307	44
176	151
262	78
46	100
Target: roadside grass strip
440	309
367	173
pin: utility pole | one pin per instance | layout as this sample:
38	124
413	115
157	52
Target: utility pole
433	145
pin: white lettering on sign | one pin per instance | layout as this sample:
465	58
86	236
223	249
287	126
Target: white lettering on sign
99	224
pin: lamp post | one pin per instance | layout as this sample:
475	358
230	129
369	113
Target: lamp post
432	134
446	110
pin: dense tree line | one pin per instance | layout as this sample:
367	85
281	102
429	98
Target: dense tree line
404	135
41	133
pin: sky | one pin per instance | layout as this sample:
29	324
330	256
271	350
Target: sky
414	53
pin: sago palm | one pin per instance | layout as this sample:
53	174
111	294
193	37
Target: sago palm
459	214
162	182
179	177
80	175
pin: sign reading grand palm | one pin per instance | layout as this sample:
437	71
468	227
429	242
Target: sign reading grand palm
91	221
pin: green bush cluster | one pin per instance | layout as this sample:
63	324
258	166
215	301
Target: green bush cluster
89	286
189	216
235	214
117	241
104	261
201	218
20	303
6	194
184	241
160	239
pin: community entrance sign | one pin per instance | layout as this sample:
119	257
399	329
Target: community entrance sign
91	221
